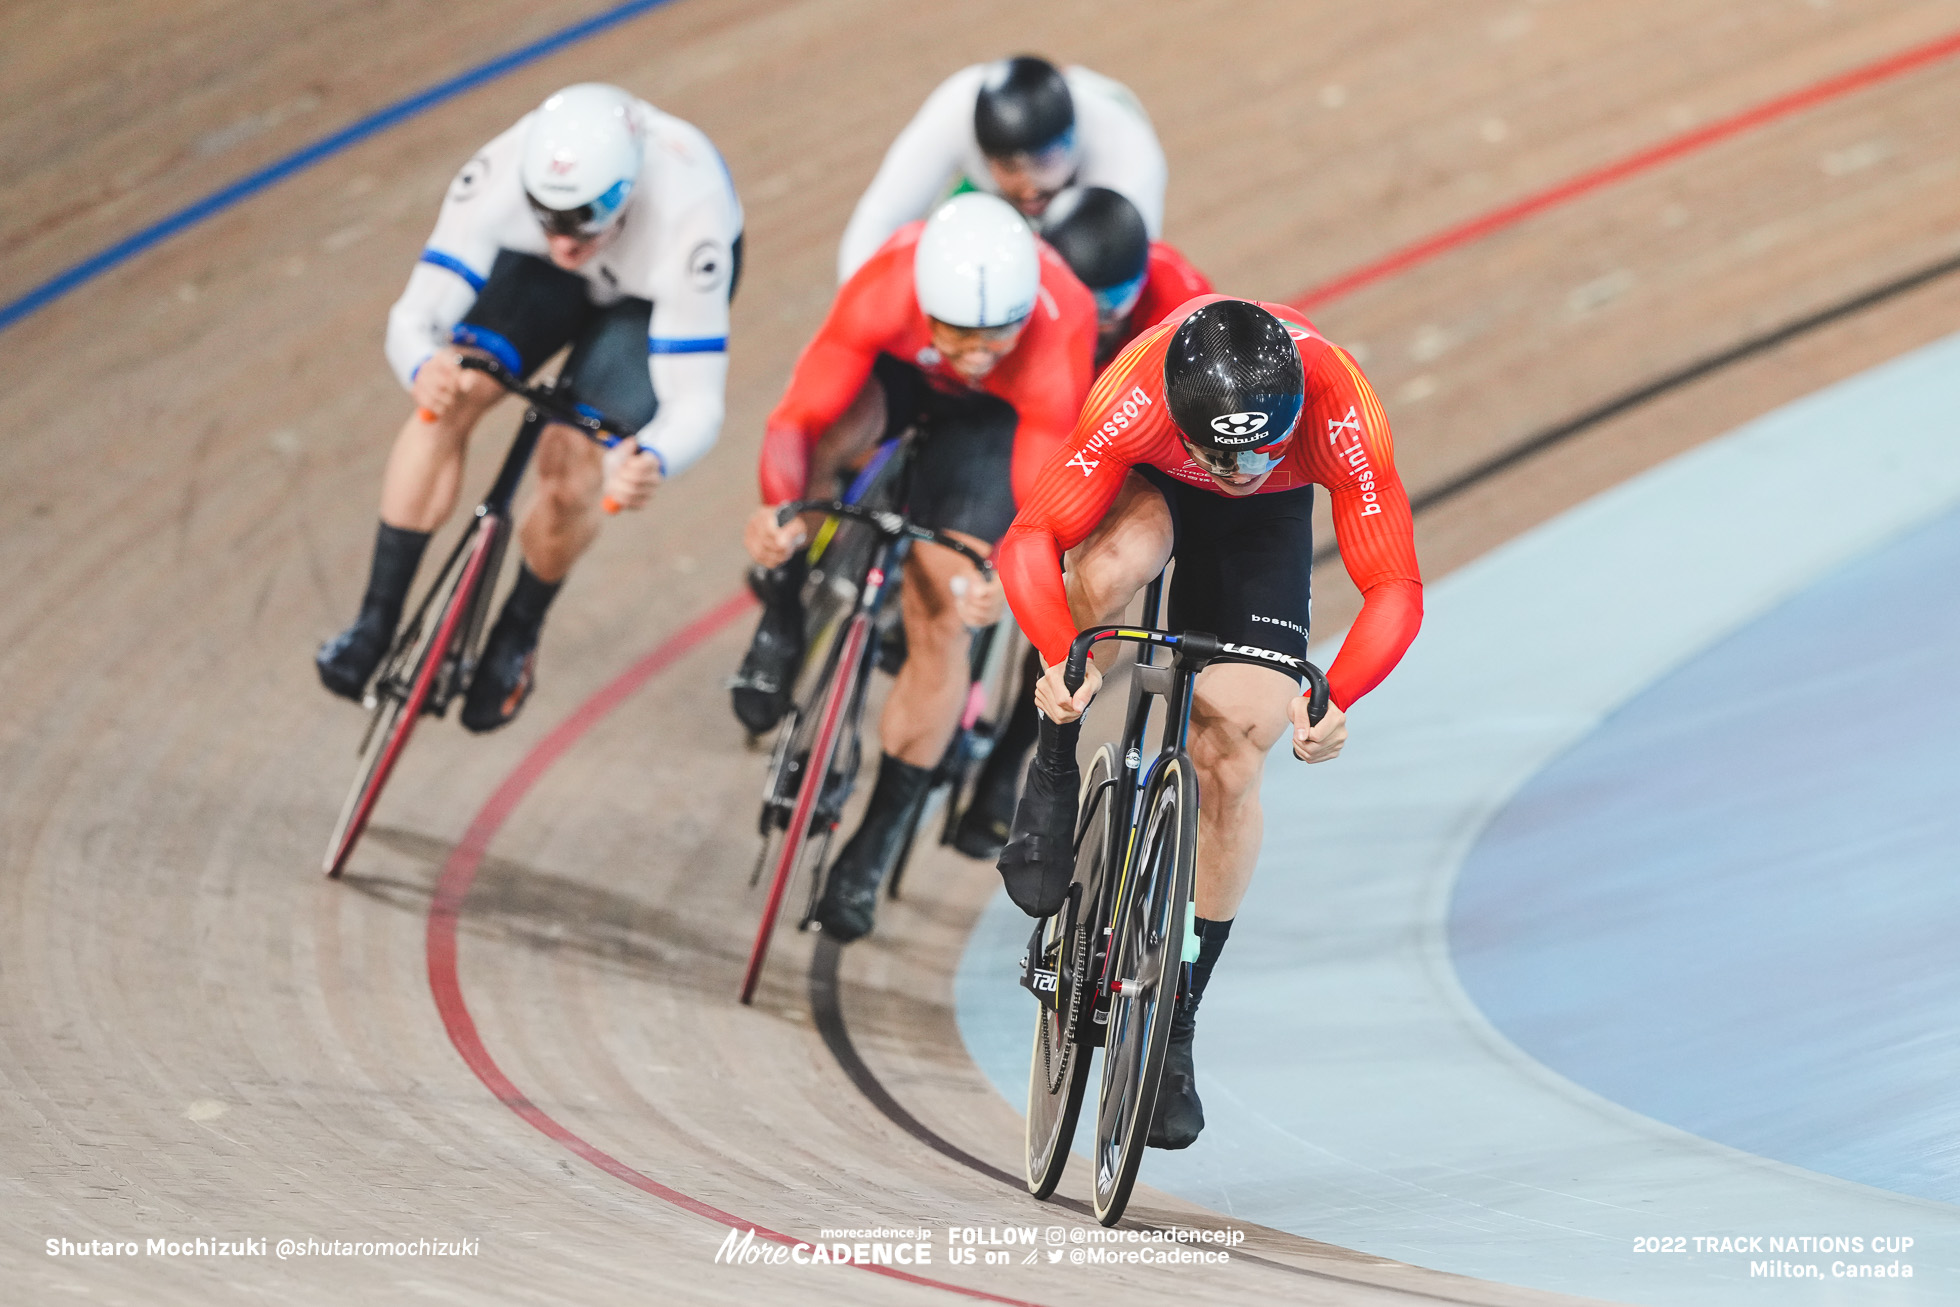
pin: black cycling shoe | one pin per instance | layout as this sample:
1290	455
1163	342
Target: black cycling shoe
850	894
504	676
1179	1117
1039	860
761	688
346	663
989	817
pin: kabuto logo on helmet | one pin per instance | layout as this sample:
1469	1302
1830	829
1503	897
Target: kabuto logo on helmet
1237	426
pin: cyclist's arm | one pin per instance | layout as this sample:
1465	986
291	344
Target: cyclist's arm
484	197
831	371
687	340
918	168
1354	457
1048	397
1071	494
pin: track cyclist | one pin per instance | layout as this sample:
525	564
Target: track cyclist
969	328
1018	128
1203	442
598	222
1135	281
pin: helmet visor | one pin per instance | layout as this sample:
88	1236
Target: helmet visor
1113	303
583	221
1239	462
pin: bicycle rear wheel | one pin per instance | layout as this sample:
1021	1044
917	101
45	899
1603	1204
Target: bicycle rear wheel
1147	952
404	687
828	728
1064	1031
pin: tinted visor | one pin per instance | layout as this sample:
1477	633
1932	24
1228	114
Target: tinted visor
587	220
1239	462
580	223
1114	303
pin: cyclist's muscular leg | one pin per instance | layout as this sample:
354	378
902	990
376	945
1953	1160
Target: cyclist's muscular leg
1122	555
1238	712
558	525
563	518
425	465
931	688
1126	551
919	720
418	491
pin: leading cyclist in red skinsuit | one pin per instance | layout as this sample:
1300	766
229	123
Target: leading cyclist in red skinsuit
968	327
1136	282
1203	441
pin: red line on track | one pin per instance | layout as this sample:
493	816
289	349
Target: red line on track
460	871
1652	157
454	886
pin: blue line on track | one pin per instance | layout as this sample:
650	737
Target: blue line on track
305	157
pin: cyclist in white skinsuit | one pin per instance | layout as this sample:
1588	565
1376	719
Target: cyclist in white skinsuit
1018	128
597	222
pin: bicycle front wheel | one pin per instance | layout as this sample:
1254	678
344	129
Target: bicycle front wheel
1065	1031
829	728
1146	959
399	698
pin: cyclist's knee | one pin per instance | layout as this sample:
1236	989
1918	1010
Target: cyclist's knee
570	470
931	619
1228	757
1106	574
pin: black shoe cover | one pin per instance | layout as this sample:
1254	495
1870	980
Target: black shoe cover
347	661
989	817
1039	860
850	895
1179	1117
503	678
761	689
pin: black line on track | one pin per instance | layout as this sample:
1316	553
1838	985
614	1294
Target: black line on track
828	1012
1686	375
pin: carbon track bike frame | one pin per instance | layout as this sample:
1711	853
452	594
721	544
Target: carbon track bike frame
811	772
1107	967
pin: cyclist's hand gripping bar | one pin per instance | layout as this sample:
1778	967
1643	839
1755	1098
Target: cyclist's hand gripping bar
595	426
1194	649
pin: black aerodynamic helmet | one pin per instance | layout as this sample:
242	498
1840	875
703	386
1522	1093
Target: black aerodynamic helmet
1100	235
1234	384
1023	108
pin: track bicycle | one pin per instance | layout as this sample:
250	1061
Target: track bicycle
815	760
1107	968
436	651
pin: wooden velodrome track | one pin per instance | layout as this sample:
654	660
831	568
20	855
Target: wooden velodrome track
200	1037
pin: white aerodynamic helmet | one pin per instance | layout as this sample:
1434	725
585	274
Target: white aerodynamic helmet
582	155
976	264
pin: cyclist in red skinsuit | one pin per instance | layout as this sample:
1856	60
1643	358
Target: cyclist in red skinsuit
1354	459
993	398
1128	493
877	313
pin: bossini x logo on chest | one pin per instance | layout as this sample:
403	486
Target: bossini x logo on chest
1121	415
